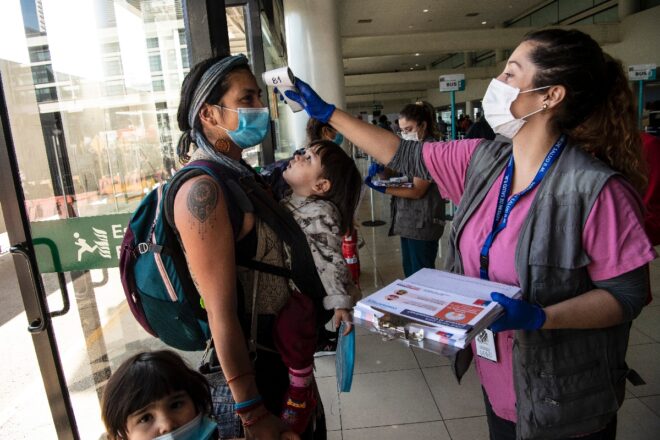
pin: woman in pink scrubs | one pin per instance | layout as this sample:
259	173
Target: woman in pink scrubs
557	212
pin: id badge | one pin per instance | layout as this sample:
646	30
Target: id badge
485	342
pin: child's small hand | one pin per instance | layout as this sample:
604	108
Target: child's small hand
343	315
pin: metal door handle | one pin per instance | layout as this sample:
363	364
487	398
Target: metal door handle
38	325
66	304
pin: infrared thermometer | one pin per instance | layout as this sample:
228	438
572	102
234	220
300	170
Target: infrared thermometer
283	79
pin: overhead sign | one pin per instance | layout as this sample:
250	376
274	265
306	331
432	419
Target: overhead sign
81	243
452	83
642	72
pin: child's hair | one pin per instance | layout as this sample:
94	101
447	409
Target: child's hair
315	128
345	181
145	378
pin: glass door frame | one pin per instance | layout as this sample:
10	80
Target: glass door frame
30	283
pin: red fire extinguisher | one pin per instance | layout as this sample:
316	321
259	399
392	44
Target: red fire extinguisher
349	250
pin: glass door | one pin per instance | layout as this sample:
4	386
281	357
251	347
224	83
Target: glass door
91	93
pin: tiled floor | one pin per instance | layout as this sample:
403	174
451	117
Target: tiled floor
404	393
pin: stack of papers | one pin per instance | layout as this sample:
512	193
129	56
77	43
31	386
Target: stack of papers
394	182
435	305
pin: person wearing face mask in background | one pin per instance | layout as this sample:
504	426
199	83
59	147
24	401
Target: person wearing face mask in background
557	212
417	213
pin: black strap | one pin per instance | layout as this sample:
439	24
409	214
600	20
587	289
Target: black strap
248	195
634	378
266	268
304	272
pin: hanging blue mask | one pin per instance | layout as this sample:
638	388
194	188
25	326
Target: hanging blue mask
199	428
252	126
339	139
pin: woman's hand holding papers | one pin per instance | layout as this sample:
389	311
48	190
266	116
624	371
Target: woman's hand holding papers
518	314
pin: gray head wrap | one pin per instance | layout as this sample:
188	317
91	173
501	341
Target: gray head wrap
209	80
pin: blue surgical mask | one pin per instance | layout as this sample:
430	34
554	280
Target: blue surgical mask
339	139
252	126
199	428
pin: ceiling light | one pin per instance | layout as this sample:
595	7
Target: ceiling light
484	22
365	20
411	68
416	65
425	10
410	26
471	14
417	54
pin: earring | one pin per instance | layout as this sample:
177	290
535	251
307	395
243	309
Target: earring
222	146
545	106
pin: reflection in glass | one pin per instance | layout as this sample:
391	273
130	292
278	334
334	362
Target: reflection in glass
95	108
92	108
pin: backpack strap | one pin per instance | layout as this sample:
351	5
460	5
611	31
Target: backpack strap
304	273
224	177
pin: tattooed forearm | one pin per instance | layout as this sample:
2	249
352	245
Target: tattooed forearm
202	200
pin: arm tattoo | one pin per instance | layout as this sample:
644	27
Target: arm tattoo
202	199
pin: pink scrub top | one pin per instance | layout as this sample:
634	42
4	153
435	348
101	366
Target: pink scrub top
613	237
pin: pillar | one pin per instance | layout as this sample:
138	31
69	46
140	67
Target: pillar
469	59
469	109
469	62
314	53
628	7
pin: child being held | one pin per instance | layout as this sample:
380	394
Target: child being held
155	395
325	185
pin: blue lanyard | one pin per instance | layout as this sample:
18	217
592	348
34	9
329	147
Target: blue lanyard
504	208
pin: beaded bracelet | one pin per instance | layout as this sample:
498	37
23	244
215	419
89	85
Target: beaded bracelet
256	419
238	376
247	409
247	403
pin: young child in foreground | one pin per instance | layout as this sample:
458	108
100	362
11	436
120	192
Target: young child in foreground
325	185
155	395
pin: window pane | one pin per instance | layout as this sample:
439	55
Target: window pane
607	16
39	53
155	64
568	8
545	16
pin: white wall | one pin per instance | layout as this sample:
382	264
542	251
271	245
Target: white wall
640	35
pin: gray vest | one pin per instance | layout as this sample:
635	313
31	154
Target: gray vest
567	382
419	219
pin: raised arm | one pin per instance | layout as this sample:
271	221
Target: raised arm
377	142
201	217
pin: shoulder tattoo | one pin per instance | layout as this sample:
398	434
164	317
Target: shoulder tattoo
202	200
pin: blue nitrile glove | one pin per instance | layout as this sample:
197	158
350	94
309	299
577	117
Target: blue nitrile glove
312	103
375	168
369	183
518	314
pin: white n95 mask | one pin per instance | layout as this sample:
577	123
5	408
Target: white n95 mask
409	136
497	107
